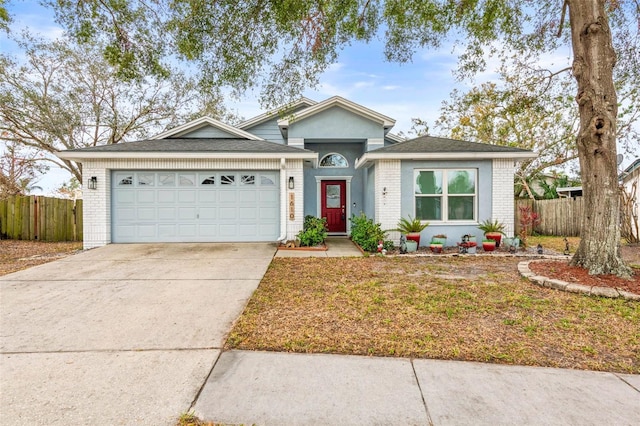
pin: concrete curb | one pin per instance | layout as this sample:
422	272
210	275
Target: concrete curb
542	281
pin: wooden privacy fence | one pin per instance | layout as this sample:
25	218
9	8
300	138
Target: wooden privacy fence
41	218
560	216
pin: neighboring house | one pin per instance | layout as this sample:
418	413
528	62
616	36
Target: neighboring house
630	179
209	181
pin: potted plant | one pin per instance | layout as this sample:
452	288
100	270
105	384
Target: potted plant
411	227
489	244
435	246
512	244
493	230
441	238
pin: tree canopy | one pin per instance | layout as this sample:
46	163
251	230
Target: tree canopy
65	96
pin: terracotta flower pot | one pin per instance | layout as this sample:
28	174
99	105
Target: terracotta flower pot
495	236
414	236
488	246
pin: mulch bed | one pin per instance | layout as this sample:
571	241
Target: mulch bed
573	274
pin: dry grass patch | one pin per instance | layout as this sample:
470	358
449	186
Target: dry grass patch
16	255
463	308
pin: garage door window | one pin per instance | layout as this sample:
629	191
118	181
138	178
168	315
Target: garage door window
166	179
267	180
187	180
228	180
210	180
127	180
248	179
146	179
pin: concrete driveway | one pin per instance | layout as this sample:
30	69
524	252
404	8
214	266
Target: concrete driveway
123	334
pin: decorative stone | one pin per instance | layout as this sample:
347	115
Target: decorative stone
556	284
604	291
578	288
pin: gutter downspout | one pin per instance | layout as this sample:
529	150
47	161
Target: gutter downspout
283	201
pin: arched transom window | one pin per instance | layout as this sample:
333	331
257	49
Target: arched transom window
334	160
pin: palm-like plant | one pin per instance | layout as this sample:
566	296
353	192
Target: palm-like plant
410	225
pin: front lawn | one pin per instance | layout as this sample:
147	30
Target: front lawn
462	308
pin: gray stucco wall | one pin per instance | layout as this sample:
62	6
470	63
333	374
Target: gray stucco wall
369	207
335	123
454	232
350	151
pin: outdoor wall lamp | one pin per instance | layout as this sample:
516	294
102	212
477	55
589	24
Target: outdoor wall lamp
292	184
93	182
384	191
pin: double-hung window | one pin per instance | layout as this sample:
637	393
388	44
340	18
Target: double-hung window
446	195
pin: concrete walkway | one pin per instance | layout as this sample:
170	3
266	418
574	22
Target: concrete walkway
336	247
267	388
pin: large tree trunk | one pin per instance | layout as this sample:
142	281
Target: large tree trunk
594	58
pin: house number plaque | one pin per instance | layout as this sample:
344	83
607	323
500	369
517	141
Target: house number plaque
292	206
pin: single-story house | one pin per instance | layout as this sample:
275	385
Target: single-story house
630	179
207	181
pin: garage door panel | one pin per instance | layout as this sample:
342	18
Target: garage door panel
208	196
146	196
248	196
166	196
228	213
167	230
125	197
208	213
245	213
184	206
228	196
146	213
187	213
126	213
167	213
146	231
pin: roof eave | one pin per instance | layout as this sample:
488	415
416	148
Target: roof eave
76	156
370	157
274	112
203	121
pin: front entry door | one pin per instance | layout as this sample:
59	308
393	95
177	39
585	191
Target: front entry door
334	199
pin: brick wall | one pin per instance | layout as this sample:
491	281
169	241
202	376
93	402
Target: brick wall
388	196
502	194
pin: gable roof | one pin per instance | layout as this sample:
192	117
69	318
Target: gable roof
190	148
202	122
341	102
300	103
434	148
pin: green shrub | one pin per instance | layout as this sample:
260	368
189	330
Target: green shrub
367	234
314	231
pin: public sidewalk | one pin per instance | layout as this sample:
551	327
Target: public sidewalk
269	388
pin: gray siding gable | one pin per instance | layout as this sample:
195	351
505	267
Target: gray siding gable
269	130
335	123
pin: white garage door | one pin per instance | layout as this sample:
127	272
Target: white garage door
188	206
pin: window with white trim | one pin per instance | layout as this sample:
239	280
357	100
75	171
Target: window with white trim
446	195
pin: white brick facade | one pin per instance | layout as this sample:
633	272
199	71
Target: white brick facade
502	194
97	203
388	195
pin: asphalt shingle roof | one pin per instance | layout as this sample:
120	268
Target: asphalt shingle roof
427	144
194	145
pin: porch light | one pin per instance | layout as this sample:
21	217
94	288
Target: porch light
292	184
93	182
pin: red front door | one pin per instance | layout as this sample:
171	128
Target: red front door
334	199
